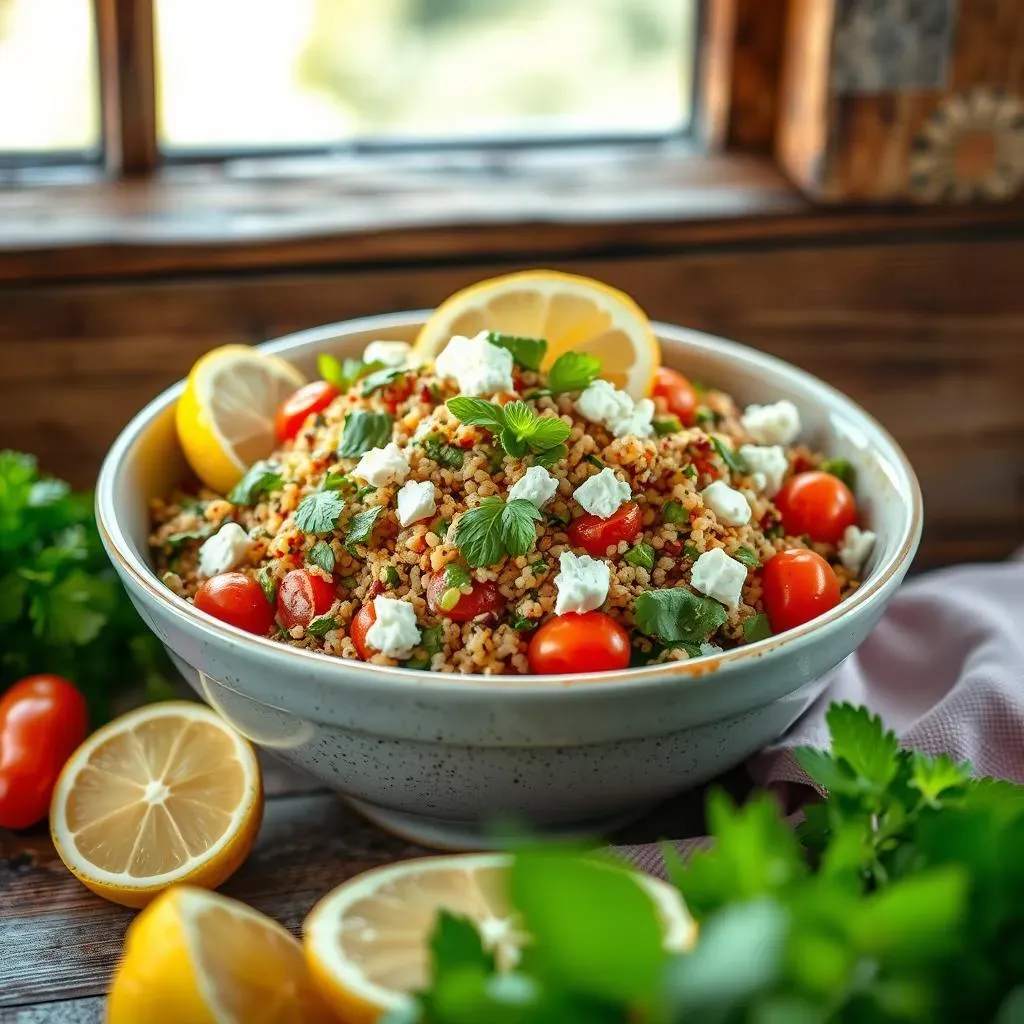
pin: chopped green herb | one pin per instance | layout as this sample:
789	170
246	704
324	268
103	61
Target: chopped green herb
457	576
440	527
268	584
260	478
322	554
364	491
594	461
344	374
391	577
538	567
673	512
477	412
756	628
417	663
517	427
441	452
704	415
690	551
381	379
321	626
176	540
319	512
842	469
573	371
748	556
550	456
363	431
527	353
667	425
731	458
677	616
360	528
349	581
496	528
335	482
521	624
641	555
432	639
690	470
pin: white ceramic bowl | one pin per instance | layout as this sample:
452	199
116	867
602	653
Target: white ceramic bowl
434	756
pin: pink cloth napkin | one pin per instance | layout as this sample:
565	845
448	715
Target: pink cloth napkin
945	670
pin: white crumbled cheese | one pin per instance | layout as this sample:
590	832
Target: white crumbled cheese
768	466
582	584
719	576
602	402
855	548
390	353
227	549
602	494
478	367
731	508
536	486
380	466
416	502
394	631
772	424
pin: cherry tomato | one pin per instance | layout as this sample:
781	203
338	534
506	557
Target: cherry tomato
483	599
301	597
817	504
292	412
364	619
798	585
591	642
679	394
238	600
42	720
595	535
395	394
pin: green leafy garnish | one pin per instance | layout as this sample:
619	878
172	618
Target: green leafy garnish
573	371
207	530
381	379
550	456
747	556
703	415
527	353
477	412
360	528
268	584
363	431
522	624
432	639
673	512
319	512
336	482
729	457
690	550
344	374
594	461
416	663
677	615
321	626
756	628
516	426
667	425
322	554
260	478
496	528
642	555
442	453
842	469
457	576
391	577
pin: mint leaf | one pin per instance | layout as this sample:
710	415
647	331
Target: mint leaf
731	458
527	353
381	379
260	478
515	445
364	430
667	425
268	584
360	528
319	512
757	627
321	626
677	615
344	374
859	738
548	432
478	533
747	556
477	412
443	454
322	554
454	943
520	419
517	526
432	639
573	371
550	456
673	512
934	776
642	555
336	482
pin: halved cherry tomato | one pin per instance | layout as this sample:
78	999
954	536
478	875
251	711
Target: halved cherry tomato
483	599
301	597
797	585
292	412
588	642
238	600
395	394
42	720
817	504
364	619
679	394
595	535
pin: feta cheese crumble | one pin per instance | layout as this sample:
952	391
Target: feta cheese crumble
855	548
536	486
394	631
731	508
380	466
478	367
719	576
604	403
390	353
778	423
582	584
768	466
416	502
602	494
227	549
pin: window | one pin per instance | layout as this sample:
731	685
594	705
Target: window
272	74
49	83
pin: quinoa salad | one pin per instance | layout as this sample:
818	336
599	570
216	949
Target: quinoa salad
477	515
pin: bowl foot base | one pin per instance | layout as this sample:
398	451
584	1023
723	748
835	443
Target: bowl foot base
469	836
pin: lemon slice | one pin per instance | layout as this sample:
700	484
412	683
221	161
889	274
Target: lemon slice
568	311
367	942
195	956
168	793
225	417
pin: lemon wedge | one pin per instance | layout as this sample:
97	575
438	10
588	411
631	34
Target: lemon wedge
197	957
367	942
569	312
165	794
225	417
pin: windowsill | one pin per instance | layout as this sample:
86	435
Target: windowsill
521	204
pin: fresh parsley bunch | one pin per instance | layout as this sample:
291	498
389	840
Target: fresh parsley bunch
62	609
900	900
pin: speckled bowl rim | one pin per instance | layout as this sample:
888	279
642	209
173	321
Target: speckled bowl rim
672	674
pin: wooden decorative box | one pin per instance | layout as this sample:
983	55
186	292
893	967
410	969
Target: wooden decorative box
893	100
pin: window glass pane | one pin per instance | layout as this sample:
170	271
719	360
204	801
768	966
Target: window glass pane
49	85
269	73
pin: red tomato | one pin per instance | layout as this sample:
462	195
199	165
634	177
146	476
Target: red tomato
395	394
591	642
301	597
42	720
678	392
364	619
798	585
292	412
817	504
483	599
595	535
238	600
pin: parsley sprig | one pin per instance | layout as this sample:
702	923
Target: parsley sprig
517	427
496	528
343	374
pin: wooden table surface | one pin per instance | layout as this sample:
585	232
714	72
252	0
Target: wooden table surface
59	942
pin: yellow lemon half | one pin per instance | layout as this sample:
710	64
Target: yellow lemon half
165	794
225	417
569	312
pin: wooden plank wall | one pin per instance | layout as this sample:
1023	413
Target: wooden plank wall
927	335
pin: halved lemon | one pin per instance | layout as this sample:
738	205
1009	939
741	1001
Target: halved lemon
367	942
568	311
165	794
194	956
225	417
